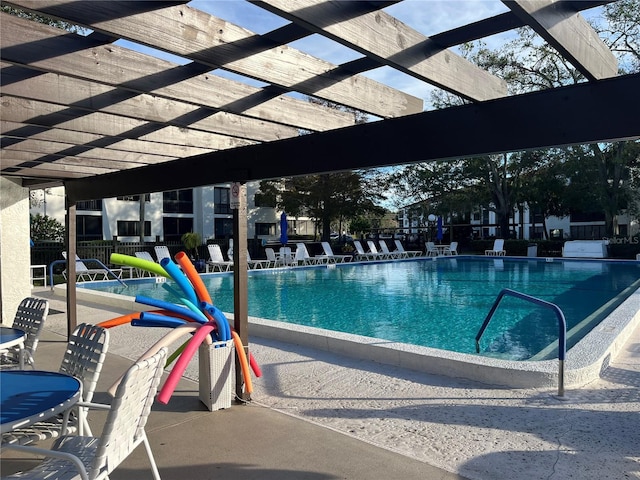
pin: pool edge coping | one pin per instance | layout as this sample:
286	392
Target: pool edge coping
584	362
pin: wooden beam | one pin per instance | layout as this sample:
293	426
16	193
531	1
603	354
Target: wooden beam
569	33
20	110
549	118
41	47
391	42
196	35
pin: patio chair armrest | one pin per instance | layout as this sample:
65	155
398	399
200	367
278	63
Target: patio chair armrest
93	405
77	463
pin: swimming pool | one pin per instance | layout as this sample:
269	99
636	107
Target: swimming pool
438	304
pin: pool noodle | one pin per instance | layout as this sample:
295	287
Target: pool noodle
190	271
248	386
220	319
194	309
172	291
171	307
174	355
180	366
141	263
176	274
165	341
155	320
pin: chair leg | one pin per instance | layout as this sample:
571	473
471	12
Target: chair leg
154	467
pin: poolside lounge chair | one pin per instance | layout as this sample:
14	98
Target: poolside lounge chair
216	259
373	249
302	256
83	359
394	255
83	273
332	257
410	253
498	249
95	458
144	256
30	317
361	254
452	249
162	251
257	264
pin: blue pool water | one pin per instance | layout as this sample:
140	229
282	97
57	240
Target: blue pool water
439	304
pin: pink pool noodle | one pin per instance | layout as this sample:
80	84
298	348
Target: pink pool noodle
180	366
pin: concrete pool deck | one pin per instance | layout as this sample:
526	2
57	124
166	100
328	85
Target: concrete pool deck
464	429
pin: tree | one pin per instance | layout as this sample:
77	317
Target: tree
46	228
327	198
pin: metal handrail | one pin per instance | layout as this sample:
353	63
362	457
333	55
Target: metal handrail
57	262
562	328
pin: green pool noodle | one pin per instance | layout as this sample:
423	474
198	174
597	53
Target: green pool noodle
142	264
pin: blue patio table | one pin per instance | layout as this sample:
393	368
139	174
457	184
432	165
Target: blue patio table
10	337
29	396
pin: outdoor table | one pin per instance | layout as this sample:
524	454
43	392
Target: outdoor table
442	249
29	396
10	337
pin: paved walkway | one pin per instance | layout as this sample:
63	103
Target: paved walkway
412	425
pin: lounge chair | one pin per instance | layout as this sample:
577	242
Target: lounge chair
30	317
361	254
382	255
144	256
216	259
302	256
83	273
332	257
95	458
498	249
393	255
410	253
83	359
257	264
162	251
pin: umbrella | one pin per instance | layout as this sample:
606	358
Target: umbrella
439	229
284	226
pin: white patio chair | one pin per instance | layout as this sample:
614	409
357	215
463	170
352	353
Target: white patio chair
452	249
162	251
410	253
393	255
95	458
497	250
302	256
83	359
257	264
361	254
431	250
333	258
30	317
273	259
216	259
84	273
286	256
381	255
144	256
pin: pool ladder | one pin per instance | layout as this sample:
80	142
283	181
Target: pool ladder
562	327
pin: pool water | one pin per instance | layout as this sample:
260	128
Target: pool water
439	304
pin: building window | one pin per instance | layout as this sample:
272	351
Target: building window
587	217
174	227
134	198
265	229
221	200
588	232
178	201
131	228
222	227
88	227
90	205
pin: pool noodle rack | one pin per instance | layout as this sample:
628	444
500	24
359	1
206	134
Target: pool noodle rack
215	373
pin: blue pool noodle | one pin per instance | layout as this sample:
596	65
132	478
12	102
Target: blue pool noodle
172	307
149	319
223	324
180	278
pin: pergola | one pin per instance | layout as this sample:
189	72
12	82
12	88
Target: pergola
106	120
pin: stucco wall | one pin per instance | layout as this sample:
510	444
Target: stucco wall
15	256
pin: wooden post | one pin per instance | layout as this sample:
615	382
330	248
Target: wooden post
240	277
71	237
